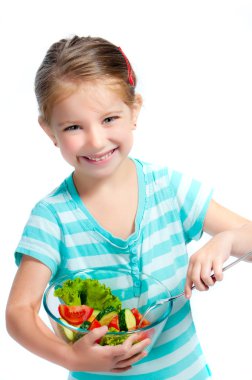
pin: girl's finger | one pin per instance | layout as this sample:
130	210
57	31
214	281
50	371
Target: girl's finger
133	359
217	269
205	275
117	370
196	277
132	348
130	340
94	335
189	283
129	347
122	351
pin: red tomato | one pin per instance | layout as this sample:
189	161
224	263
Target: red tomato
75	315
94	324
114	323
146	334
138	317
145	323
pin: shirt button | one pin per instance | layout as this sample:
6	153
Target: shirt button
135	270
137	283
134	260
134	250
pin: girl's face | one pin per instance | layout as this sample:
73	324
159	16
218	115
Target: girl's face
93	129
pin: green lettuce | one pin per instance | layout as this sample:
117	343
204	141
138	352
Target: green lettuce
70	292
113	340
87	292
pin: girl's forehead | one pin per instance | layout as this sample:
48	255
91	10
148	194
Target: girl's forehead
95	96
101	91
96	91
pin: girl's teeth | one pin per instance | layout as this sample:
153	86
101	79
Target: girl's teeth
100	158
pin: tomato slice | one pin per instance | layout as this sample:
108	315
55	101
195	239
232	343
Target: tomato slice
138	317
145	323
75	315
114	323
94	324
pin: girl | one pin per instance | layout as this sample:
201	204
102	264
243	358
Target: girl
114	211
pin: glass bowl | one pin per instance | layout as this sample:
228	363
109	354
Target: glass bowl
134	293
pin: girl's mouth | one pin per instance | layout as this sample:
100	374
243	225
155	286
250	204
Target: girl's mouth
99	158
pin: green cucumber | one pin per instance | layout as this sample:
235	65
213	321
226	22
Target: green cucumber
70	335
106	315
94	314
85	325
127	320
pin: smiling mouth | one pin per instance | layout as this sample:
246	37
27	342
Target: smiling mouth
100	157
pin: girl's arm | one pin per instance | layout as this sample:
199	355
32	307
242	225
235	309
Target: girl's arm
232	236
25	326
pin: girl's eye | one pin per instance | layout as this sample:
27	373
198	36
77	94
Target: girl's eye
72	128
110	119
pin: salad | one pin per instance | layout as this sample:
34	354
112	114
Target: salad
88	304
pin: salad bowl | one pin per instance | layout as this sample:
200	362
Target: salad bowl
112	297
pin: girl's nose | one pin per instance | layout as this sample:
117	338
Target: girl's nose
96	137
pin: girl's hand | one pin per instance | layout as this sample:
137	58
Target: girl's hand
89	356
206	261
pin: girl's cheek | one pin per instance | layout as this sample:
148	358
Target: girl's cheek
71	144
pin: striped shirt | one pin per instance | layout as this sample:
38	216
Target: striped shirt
63	235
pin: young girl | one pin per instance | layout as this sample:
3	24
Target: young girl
114	211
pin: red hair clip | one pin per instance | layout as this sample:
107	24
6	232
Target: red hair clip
130	74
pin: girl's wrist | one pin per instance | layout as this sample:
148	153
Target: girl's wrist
72	359
64	356
242	239
69	358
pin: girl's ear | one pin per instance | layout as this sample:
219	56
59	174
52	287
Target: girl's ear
136	108
47	129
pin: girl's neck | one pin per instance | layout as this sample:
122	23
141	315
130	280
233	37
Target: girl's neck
88	185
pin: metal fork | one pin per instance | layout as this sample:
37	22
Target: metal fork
164	300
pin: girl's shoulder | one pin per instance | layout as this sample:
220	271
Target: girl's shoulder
54	200
156	173
178	183
152	168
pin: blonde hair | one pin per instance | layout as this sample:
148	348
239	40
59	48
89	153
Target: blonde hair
69	62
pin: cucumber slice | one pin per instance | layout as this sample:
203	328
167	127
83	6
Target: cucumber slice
69	334
94	315
127	320
85	325
106	315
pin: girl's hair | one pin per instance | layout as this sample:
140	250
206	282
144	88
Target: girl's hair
69	62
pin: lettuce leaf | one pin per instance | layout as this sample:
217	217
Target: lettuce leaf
87	292
70	292
113	340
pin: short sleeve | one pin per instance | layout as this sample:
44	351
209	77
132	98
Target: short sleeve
193	199
41	238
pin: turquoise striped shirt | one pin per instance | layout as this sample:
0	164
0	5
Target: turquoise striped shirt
63	235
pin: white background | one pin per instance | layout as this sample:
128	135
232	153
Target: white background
193	60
